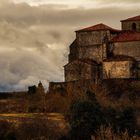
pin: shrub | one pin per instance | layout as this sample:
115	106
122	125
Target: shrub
10	136
38	129
6	131
86	118
126	120
106	133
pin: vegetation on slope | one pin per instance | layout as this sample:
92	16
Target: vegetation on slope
105	115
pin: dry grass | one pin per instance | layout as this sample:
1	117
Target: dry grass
18	116
107	134
39	127
60	101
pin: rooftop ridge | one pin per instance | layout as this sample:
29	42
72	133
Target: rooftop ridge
135	18
98	27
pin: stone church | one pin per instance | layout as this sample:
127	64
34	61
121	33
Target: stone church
101	52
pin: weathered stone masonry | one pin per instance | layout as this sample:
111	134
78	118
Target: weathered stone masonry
103	44
101	52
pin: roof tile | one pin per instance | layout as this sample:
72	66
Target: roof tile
127	36
98	27
136	18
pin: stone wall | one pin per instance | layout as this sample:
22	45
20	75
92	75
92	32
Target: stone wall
128	49
91	38
73	48
91	52
127	25
96	52
74	86
77	70
117	69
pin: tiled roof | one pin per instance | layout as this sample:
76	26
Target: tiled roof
97	28
87	61
127	36
136	18
119	58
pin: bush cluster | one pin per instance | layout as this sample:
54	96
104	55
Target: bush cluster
87	116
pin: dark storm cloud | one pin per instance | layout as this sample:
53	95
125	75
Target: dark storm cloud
34	39
23	14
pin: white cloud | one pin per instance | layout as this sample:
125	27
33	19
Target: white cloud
84	3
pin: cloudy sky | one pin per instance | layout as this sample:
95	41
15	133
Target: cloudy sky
35	35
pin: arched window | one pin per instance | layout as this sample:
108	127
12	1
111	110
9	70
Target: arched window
134	26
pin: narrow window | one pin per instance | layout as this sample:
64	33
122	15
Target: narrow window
134	26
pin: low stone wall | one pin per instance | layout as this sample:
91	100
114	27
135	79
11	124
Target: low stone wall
107	85
65	86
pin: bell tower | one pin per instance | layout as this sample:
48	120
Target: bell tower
131	24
